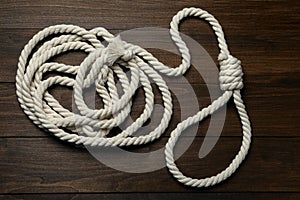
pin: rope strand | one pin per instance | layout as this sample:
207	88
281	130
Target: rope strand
100	68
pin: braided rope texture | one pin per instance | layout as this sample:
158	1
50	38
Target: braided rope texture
99	69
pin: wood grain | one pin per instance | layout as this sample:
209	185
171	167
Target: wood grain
45	165
263	34
157	196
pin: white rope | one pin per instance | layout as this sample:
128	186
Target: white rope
99	69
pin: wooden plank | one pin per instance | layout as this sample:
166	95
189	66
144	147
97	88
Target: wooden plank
47	166
115	14
260	66
157	196
261	107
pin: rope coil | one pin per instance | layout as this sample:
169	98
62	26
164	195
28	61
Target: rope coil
90	126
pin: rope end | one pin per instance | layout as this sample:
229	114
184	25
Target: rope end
116	50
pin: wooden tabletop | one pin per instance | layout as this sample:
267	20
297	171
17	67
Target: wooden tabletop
264	35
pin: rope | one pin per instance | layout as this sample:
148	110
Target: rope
90	126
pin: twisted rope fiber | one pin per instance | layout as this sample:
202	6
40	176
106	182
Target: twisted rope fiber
99	69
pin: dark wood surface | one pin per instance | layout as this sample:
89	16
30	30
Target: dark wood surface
263	34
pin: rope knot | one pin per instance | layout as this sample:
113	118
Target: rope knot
116	50
231	73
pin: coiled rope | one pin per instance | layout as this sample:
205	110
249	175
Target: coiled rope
90	126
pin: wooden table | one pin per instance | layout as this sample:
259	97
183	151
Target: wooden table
263	34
